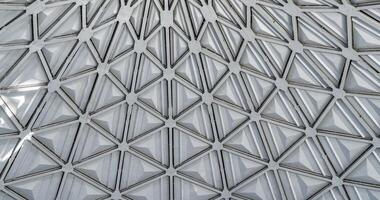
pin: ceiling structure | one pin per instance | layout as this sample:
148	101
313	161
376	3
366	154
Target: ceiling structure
190	99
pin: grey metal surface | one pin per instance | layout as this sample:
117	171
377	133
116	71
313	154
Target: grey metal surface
190	99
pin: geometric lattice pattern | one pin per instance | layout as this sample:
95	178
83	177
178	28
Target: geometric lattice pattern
190	99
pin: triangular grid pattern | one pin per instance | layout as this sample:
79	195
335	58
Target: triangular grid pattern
190	99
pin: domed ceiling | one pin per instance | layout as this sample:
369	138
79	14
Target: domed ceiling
190	99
